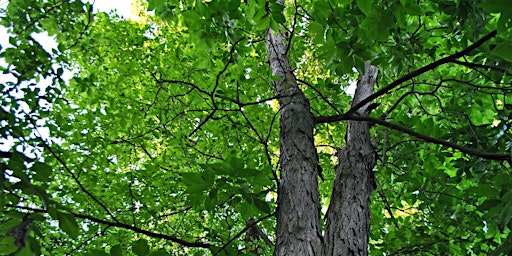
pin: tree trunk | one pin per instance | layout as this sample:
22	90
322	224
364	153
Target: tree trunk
298	205
348	217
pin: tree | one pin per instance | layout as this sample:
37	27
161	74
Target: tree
204	127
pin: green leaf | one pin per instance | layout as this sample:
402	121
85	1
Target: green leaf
140	247
35	246
160	252
486	191
279	17
488	204
156	4
151	5
193	19
236	164
263	23
481	116
495	6
505	215
412	8
42	170
97	252
365	6
262	205
25	251
68	224
276	7
504	50
8	225
505	248
7	245
17	162
40	192
215	250
116	250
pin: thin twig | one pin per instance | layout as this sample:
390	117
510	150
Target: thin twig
242	232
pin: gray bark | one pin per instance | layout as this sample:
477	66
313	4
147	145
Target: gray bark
348	217
298	203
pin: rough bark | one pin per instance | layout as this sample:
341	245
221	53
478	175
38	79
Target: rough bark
298	205
348	217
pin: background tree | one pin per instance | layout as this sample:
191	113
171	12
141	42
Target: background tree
200	127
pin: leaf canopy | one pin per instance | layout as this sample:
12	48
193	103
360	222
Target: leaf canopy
161	136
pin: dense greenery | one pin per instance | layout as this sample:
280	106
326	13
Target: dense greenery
161	136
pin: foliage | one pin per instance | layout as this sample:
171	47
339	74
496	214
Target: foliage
161	137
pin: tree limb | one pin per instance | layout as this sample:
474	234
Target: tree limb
420	71
469	151
126	226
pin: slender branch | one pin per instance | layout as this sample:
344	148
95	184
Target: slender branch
243	104
261	140
89	12
320	94
420	71
417	248
477	65
170	81
397	103
87	241
294	24
186	208
387	206
125	226
505	89
75	178
217	78
242	232
469	151
208	117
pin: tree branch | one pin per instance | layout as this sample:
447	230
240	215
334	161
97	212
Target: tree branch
319	94
72	174
477	65
206	119
242	232
217	78
469	151
420	71
126	226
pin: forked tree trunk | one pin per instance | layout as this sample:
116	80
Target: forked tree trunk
298	204
348	217
299	230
